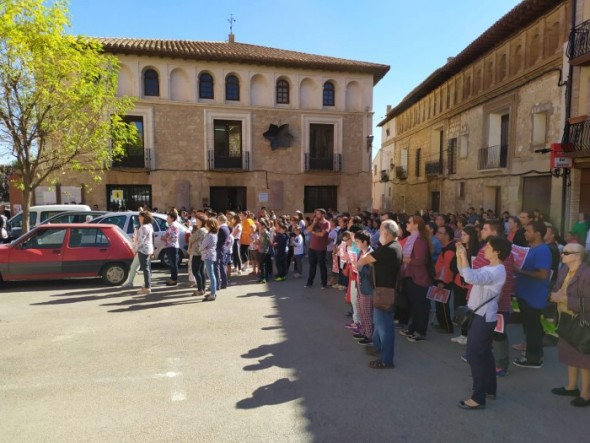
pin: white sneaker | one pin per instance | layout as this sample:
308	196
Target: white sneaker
460	339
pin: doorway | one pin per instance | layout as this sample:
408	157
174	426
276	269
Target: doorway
227	198
435	199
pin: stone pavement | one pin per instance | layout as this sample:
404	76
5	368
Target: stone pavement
83	362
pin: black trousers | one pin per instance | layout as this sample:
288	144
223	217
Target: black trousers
419	307
317	258
533	330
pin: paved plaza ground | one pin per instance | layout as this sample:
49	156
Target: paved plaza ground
263	363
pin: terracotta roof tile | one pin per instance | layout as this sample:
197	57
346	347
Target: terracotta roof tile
239	53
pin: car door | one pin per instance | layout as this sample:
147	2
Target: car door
38	255
87	250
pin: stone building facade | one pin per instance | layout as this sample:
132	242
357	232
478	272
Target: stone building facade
203	110
577	130
473	133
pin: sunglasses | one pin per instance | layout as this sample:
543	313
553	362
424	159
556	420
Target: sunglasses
569	252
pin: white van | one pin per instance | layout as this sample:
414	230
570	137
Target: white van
38	214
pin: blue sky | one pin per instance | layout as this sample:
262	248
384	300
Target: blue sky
413	37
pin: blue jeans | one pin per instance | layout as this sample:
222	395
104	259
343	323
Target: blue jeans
383	334
210	265
173	259
144	265
221	270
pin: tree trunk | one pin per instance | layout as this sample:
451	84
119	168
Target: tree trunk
27	198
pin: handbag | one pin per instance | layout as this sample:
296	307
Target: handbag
575	330
464	315
383	298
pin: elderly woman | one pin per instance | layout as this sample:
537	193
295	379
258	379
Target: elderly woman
487	288
573	285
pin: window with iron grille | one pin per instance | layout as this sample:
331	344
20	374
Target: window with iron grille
329	94
452	156
232	88
320	197
282	92
227	144
151	83
321	146
134	152
205	86
418	161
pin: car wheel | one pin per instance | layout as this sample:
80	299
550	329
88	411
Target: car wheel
114	274
166	261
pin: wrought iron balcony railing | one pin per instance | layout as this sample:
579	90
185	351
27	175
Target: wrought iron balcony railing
433	167
493	157
401	172
577	135
135	158
323	163
225	162
579	41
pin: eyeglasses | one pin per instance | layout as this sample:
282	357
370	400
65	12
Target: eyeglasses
569	252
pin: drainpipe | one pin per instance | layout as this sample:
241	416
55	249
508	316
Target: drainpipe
568	110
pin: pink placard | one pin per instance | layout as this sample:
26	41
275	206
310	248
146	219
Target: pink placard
438	294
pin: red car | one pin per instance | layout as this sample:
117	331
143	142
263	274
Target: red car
59	251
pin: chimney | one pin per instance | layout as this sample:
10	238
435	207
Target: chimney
388	108
232	38
450	59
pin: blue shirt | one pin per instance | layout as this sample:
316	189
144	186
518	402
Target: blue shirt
436	249
532	290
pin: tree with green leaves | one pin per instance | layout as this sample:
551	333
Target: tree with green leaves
59	111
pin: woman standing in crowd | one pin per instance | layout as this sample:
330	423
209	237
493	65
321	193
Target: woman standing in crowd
417	258
236	234
172	246
208	251
194	247
224	245
145	249
470	242
573	286
487	286
263	249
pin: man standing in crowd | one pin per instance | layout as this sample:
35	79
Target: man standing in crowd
520	237
319	229
386	261
532	291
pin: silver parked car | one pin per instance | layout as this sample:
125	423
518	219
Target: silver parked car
128	221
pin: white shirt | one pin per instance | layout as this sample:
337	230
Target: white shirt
487	283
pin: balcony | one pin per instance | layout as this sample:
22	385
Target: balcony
493	157
578	47
231	162
577	135
401	172
323	163
433	167
134	158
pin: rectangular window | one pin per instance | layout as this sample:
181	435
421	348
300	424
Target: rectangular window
461	191
128	197
227	137
320	197
418	161
464	146
321	146
87	237
539	128
452	156
134	156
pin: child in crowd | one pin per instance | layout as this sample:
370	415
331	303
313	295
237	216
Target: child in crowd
298	251
280	242
253	251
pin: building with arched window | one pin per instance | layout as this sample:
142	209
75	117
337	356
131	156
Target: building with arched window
250	126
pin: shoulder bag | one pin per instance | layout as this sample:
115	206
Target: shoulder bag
383	298
575	330
464	315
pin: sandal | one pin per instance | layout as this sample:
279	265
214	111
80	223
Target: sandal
380	364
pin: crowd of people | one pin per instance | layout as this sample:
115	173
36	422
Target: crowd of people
396	268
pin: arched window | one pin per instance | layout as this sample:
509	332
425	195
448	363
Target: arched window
151	84
232	88
329	98
205	86
282	92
